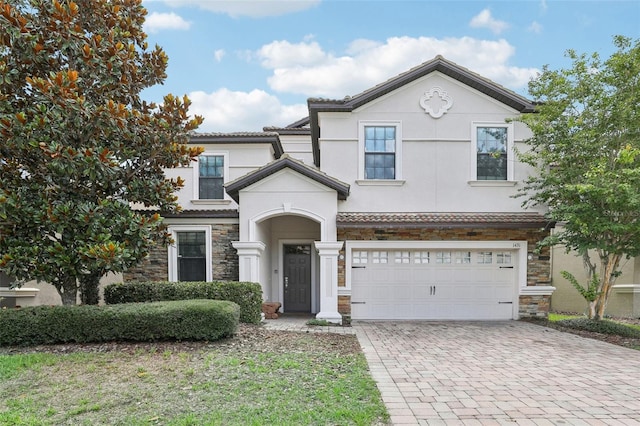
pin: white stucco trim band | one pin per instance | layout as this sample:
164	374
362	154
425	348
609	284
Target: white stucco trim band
18	292
627	288
537	290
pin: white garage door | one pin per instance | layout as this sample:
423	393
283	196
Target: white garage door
433	284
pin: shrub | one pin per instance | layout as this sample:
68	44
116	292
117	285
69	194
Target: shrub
171	320
600	326
247	295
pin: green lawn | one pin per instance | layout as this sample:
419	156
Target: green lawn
304	383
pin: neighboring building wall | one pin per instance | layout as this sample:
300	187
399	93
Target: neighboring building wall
46	294
538	269
625	297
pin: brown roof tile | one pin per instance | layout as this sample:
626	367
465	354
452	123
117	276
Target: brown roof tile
438	220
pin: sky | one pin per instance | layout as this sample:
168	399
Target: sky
247	64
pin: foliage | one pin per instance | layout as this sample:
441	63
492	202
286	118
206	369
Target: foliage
602	326
585	147
247	295
590	292
79	145
174	320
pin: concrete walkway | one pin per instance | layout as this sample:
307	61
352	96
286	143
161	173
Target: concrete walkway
494	373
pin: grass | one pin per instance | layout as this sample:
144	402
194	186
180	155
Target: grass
208	386
554	317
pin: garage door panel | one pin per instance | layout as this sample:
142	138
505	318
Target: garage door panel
423	289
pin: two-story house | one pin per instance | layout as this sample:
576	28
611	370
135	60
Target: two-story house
396	203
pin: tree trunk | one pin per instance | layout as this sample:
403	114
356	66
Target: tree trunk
592	309
89	288
68	290
609	265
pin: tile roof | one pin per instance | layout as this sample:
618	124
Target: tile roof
439	220
210	213
272	138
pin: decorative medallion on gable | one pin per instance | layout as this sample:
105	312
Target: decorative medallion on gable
436	102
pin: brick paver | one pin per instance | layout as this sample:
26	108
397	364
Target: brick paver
499	373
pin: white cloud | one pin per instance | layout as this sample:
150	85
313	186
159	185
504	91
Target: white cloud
165	21
228	111
282	54
368	63
485	20
250	8
535	27
219	54
544	6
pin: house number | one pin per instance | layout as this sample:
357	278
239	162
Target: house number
517	245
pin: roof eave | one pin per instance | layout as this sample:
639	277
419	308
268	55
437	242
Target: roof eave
234	188
272	138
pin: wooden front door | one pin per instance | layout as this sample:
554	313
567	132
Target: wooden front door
297	278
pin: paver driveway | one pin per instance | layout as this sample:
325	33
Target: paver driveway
494	373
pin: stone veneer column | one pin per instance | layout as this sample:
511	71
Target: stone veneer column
249	253
328	252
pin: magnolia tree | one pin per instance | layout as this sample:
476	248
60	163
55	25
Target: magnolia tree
586	148
79	147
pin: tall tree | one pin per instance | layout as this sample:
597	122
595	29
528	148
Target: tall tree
586	148
79	147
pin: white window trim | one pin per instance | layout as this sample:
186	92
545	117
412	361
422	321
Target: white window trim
225	178
473	178
398	179
173	248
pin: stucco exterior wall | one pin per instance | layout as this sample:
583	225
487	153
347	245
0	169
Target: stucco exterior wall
241	159
298	147
437	153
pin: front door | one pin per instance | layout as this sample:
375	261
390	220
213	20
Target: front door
297	278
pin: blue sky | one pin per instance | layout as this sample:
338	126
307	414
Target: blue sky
247	64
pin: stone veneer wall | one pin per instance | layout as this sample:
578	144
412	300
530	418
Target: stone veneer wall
223	257
538	269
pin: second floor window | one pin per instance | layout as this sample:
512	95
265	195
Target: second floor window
211	177
492	153
380	152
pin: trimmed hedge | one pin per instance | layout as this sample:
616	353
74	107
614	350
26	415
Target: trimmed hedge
246	294
172	320
601	326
